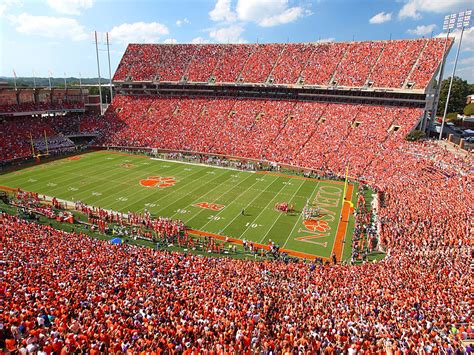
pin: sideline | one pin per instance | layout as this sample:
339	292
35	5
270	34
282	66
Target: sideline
258	245
338	247
201	164
299	177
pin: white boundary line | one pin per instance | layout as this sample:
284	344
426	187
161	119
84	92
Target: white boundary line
340	220
248	204
263	209
215	199
206	165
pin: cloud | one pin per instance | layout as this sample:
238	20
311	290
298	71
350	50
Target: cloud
184	21
287	16
265	13
422	30
413	8
48	26
138	32
381	17
467	61
170	41
467	39
229	34
326	40
7	4
70	7
268	13
200	40
467	73
222	12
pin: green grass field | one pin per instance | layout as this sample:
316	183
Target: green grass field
206	198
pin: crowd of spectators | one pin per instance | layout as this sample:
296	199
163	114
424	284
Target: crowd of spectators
19	132
291	63
384	63
66	292
200	70
404	53
428	62
355	66
261	62
42	107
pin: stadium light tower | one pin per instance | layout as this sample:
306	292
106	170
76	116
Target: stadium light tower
49	79
463	21
14	78
110	71
98	71
448	25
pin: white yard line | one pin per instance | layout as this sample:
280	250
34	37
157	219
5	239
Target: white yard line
263	209
297	221
127	179
276	219
191	192
237	215
214	200
181	186
201	164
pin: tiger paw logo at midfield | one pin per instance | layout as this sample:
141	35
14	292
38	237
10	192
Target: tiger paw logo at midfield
158	181
316	225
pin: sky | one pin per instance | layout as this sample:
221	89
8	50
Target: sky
42	36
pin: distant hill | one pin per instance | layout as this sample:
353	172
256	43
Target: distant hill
27	82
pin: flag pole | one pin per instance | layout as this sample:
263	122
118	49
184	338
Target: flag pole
98	70
110	71
46	141
345	182
32	146
49	79
14	78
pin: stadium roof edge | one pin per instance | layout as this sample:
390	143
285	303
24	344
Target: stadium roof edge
316	42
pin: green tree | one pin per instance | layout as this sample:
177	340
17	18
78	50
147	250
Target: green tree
471	89
94	90
469	110
457	100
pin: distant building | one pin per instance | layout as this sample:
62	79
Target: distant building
470	99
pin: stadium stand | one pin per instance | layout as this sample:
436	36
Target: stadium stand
350	64
172	302
32	107
291	63
66	292
16	139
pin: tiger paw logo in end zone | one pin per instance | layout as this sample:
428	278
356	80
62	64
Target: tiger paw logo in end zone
314	229
316	225
158	181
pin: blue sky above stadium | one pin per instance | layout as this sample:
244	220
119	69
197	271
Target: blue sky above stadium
56	35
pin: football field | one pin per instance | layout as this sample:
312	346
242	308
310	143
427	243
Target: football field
210	200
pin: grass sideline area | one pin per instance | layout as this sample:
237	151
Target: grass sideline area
239	253
211	200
